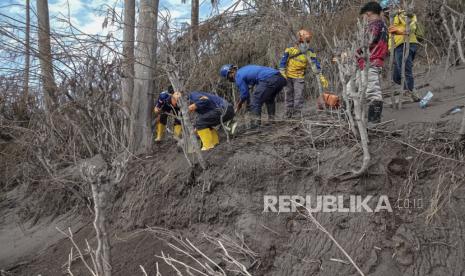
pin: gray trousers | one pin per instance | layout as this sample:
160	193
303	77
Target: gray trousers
293	93
373	92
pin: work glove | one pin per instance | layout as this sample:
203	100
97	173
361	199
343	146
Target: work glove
396	30
324	82
283	72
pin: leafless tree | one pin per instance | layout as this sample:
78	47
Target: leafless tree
27	62
455	32
195	20
356	84
143	77
45	56
127	82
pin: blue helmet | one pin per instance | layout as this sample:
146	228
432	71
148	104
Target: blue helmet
225	70
163	99
385	4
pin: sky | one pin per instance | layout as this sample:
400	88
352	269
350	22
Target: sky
88	15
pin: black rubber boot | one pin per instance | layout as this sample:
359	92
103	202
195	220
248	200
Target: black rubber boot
375	109
255	121
271	109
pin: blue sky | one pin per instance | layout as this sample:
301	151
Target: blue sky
86	16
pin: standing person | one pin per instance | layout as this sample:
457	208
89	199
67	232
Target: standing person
211	111
378	50
268	82
397	39
166	105
293	65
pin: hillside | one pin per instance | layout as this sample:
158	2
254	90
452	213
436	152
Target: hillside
162	201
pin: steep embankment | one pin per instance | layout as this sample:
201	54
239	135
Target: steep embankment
415	163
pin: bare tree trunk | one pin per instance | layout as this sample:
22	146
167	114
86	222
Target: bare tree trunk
458	35
27	60
45	56
462	127
394	99
442	12
195	20
144	73
127	84
102	176
100	193
360	115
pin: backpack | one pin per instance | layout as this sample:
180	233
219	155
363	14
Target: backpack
328	100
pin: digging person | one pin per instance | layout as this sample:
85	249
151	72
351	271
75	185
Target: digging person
212	111
293	65
268	82
378	50
165	106
398	33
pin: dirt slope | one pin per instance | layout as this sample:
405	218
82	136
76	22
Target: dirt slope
294	158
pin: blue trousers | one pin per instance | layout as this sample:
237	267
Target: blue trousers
397	73
266	92
214	117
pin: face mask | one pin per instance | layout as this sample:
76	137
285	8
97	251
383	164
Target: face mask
303	47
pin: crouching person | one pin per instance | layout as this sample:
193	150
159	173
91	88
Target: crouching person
211	111
166	105
268	82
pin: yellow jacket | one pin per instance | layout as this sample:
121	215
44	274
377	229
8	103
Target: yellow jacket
295	64
400	22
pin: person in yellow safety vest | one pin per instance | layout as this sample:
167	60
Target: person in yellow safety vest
397	39
293	65
166	104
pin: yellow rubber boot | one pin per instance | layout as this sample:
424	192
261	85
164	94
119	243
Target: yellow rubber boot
215	137
207	138
160	132
177	131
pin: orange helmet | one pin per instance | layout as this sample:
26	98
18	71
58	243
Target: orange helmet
304	35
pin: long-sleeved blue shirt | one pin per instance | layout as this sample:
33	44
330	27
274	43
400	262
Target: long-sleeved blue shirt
206	102
251	75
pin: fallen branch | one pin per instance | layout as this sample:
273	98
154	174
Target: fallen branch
322	229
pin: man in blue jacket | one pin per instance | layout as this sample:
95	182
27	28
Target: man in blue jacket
268	82
163	108
211	111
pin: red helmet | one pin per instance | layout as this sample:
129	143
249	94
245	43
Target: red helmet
304	35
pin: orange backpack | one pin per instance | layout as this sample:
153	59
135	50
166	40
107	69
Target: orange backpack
328	100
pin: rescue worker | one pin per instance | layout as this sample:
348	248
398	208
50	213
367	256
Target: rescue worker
397	39
166	105
268	82
211	111
378	50
293	65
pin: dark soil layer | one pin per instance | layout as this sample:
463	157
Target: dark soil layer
227	198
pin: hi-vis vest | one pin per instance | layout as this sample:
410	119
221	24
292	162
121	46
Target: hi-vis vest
295	64
400	21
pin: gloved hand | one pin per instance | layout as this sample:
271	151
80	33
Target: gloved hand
396	30
283	72
324	82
